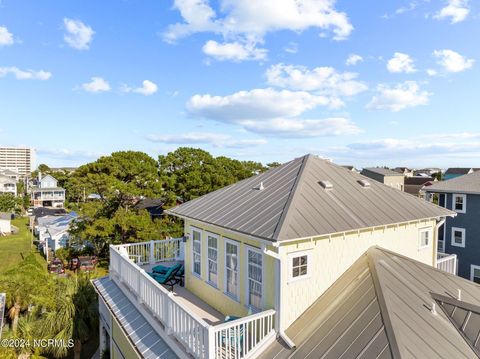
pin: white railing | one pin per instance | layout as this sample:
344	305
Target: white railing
447	262
238	339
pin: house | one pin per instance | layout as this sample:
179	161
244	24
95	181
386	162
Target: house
407	172
415	184
388	306
47	193
350	168
5	223
10	174
458	171
461	235
384	175
428	172
53	232
8	185
154	206
264	250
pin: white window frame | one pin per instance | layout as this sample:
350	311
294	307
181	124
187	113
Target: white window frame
247	278
198	230
452	242
226	292
293	255
473	267
420	232
464	203
217	237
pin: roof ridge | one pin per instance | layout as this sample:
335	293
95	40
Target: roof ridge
284	218
387	323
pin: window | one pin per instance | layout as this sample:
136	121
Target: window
299	265
424	238
197	252
231	269
212	259
459	203
458	237
254	278
475	273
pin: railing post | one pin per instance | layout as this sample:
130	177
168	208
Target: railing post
168	313
141	274
152	251
181	251
210	343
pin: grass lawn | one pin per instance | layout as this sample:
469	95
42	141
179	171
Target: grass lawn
15	247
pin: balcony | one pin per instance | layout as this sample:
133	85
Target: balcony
447	262
199	329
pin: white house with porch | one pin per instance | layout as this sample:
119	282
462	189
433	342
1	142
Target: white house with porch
47	193
255	256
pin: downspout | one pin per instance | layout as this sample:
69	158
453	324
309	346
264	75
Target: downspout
435	244
278	298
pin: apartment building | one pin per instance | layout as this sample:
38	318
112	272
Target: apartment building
18	159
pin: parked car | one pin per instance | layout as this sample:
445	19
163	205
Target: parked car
86	263
56	266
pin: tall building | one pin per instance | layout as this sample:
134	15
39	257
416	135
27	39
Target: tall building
18	159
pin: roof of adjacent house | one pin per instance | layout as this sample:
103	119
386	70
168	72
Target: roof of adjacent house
154	206
5	180
382	171
5	216
418	180
469	183
458	170
43	211
142	336
294	201
388	306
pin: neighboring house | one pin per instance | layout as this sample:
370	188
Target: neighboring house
8	185
53	232
415	184
461	235
407	172
271	245
384	175
47	193
455	172
153	206
429	172
10	174
5	223
351	168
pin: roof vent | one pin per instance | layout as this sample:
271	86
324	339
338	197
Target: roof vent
260	187
326	184
364	183
459	294
434	308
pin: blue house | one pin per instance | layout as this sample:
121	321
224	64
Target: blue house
455	172
461	235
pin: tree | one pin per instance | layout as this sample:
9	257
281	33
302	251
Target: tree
8	202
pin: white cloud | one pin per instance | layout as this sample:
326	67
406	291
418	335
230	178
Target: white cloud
6	37
291	48
25	74
410	7
432	72
247	21
79	36
96	85
398	97
148	88
324	80
214	139
456	10
255	104
452	61
353	59
295	127
234	51
400	63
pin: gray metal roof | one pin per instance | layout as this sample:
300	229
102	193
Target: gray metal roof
381	308
464	184
458	170
5	215
143	337
293	204
383	171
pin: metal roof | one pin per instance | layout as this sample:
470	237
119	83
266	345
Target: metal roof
383	171
293	204
142	336
381	308
459	170
464	184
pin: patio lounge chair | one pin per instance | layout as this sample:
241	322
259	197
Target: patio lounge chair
233	345
179	276
169	277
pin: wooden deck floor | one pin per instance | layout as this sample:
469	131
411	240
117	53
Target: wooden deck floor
191	301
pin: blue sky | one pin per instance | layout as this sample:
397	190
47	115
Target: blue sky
360	82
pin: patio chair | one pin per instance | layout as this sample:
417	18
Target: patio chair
169	277
179	276
231	335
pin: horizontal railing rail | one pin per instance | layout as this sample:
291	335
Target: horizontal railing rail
237	339
447	263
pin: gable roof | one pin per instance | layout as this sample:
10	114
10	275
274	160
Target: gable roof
293	204
458	170
381	307
464	184
382	171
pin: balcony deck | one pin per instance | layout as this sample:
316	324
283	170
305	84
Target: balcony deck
191	301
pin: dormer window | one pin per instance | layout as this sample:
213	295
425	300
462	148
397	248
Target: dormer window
460	203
